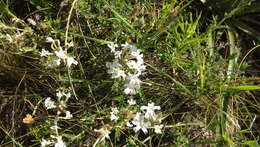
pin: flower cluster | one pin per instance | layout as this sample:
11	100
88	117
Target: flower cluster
138	119
55	59
145	119
128	65
56	141
60	105
59	54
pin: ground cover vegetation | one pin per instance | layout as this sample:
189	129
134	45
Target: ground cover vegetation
129	73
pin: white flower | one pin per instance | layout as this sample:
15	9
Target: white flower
130	91
53	63
112	46
45	53
104	133
139	123
129	124
138	63
138	66
118	54
9	38
113	114
59	94
158	129
203	1
131	102
60	142
67	95
126	45
117	73
113	117
45	143
61	54
49	39
132	83
55	126
150	110
114	69
57	62
137	54
31	21
132	64
129	46
70	61
68	115
49	104
71	44
114	110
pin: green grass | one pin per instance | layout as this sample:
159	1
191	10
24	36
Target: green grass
195	70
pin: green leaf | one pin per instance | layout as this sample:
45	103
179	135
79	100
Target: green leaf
179	84
82	36
247	29
123	20
27	49
245	87
251	143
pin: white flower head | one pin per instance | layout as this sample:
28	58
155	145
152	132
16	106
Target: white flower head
112	46
137	66
132	83
130	91
57	62
150	110
49	39
71	44
49	104
45	142
138	56
129	124
68	115
118	54
70	61
137	63
67	95
59	142
132	64
139	123
129	46
203	1
59	94
45	53
31	21
104	133
114	69
113	114
131	102
9	38
158	129
55	127
61	54
53	63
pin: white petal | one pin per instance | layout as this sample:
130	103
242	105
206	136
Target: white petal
49	39
68	115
